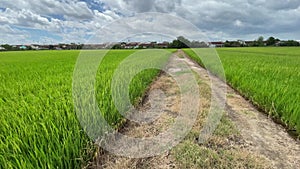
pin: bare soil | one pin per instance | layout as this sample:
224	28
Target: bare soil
246	138
261	135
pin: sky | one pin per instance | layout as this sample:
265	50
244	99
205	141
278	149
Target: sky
98	21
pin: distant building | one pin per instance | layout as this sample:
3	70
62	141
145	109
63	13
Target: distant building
95	46
146	45
23	47
163	45
242	42
278	43
58	48
44	47
2	48
217	44
132	45
249	43
35	47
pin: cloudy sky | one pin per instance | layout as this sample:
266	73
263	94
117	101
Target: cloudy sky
66	21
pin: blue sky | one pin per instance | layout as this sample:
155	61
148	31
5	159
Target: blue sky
66	21
39	36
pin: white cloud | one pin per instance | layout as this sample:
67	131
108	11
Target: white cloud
73	20
277	4
70	29
238	23
129	6
68	8
12	36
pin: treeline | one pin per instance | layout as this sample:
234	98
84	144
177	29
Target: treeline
180	42
261	42
9	47
72	46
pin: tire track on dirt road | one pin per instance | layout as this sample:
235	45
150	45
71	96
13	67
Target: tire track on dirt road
261	144
260	133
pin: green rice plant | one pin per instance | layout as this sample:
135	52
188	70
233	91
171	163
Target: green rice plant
269	77
39	127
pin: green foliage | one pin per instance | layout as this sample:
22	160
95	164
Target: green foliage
260	41
9	47
180	42
138	85
233	44
39	128
271	41
117	46
269	77
289	43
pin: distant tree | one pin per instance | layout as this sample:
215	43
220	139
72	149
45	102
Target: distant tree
29	48
180	42
7	47
203	45
233	44
227	44
260	41
271	41
51	47
80	46
197	44
290	43
117	46
185	41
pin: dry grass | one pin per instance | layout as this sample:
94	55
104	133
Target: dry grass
225	149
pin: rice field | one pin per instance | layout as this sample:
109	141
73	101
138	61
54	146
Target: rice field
39	127
269	77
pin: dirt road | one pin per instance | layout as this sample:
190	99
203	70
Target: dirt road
245	138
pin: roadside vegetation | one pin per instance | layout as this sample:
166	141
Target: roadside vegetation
269	77
39	128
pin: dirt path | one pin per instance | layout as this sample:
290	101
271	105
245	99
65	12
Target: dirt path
261	134
254	141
